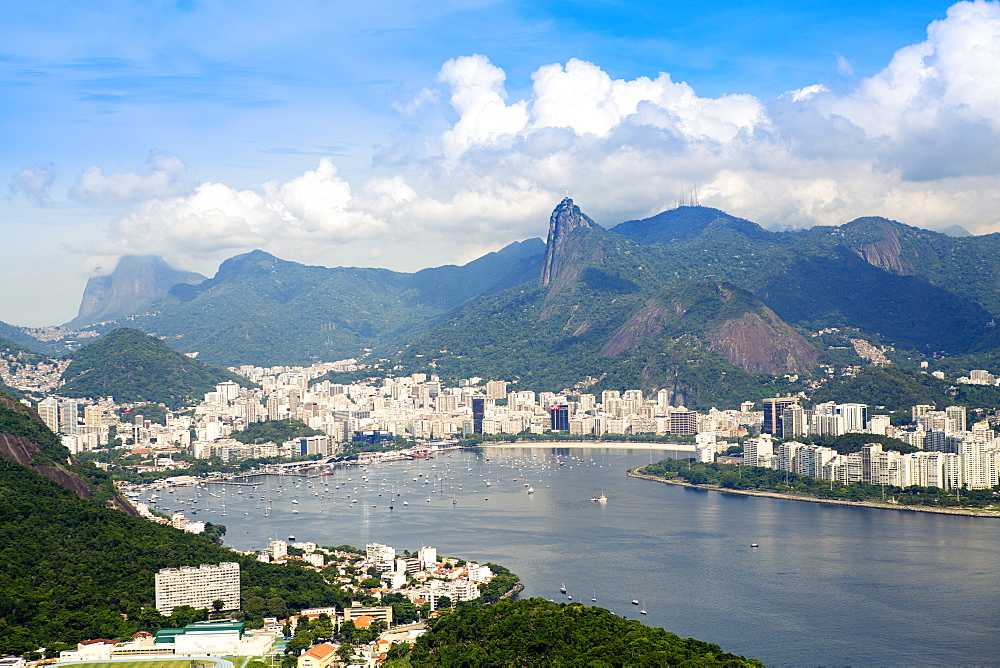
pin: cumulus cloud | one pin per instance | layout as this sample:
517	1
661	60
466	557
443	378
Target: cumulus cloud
315	208
162	176
918	141
478	95
34	183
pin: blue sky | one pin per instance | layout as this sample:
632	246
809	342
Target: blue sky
407	135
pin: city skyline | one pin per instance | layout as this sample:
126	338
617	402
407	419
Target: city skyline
354	136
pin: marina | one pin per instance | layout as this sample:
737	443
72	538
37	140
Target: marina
782	581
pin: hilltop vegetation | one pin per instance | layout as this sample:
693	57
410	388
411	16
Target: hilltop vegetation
275	431
898	389
72	568
693	300
535	632
133	367
259	309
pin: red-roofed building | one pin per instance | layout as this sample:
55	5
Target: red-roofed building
320	656
363	622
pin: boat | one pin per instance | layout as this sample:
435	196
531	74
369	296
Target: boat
753	544
635	601
562	588
291	537
531	490
594	599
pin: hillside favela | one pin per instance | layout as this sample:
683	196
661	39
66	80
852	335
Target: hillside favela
487	334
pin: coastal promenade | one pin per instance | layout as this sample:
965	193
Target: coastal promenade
610	445
970	512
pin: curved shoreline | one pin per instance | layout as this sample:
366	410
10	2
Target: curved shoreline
610	445
815	499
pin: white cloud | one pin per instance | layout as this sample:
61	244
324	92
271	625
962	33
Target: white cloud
34	183
918	142
163	176
478	95
314	209
844	66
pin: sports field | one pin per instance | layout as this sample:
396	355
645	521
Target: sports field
154	663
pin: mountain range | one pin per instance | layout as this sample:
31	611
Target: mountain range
693	300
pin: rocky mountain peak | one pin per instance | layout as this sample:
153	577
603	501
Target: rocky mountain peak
136	282
565	218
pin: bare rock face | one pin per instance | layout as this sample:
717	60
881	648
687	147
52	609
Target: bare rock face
136	282
24	452
564	219
885	252
762	344
751	336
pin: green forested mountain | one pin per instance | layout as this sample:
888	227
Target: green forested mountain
72	568
259	309
536	632
549	314
132	367
916	289
699	302
604	308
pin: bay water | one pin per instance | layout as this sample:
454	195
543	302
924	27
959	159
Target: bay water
827	585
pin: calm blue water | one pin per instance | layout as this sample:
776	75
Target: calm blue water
828	585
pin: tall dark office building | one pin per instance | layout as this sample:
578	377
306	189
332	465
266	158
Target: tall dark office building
773	408
559	417
478	413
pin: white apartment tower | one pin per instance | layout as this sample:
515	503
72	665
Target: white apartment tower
198	587
48	410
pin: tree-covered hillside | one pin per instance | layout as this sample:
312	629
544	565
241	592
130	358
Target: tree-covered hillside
605	308
536	632
134	367
260	309
73	568
898	389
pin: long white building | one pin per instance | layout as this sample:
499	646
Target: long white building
198	587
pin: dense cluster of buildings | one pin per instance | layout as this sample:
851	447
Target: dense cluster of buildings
422	407
952	454
422	578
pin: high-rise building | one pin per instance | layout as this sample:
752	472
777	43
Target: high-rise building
478	413
496	389
683	422
559	417
278	549
48	410
69	417
93	416
773	408
794	422
957	418
855	417
198	587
